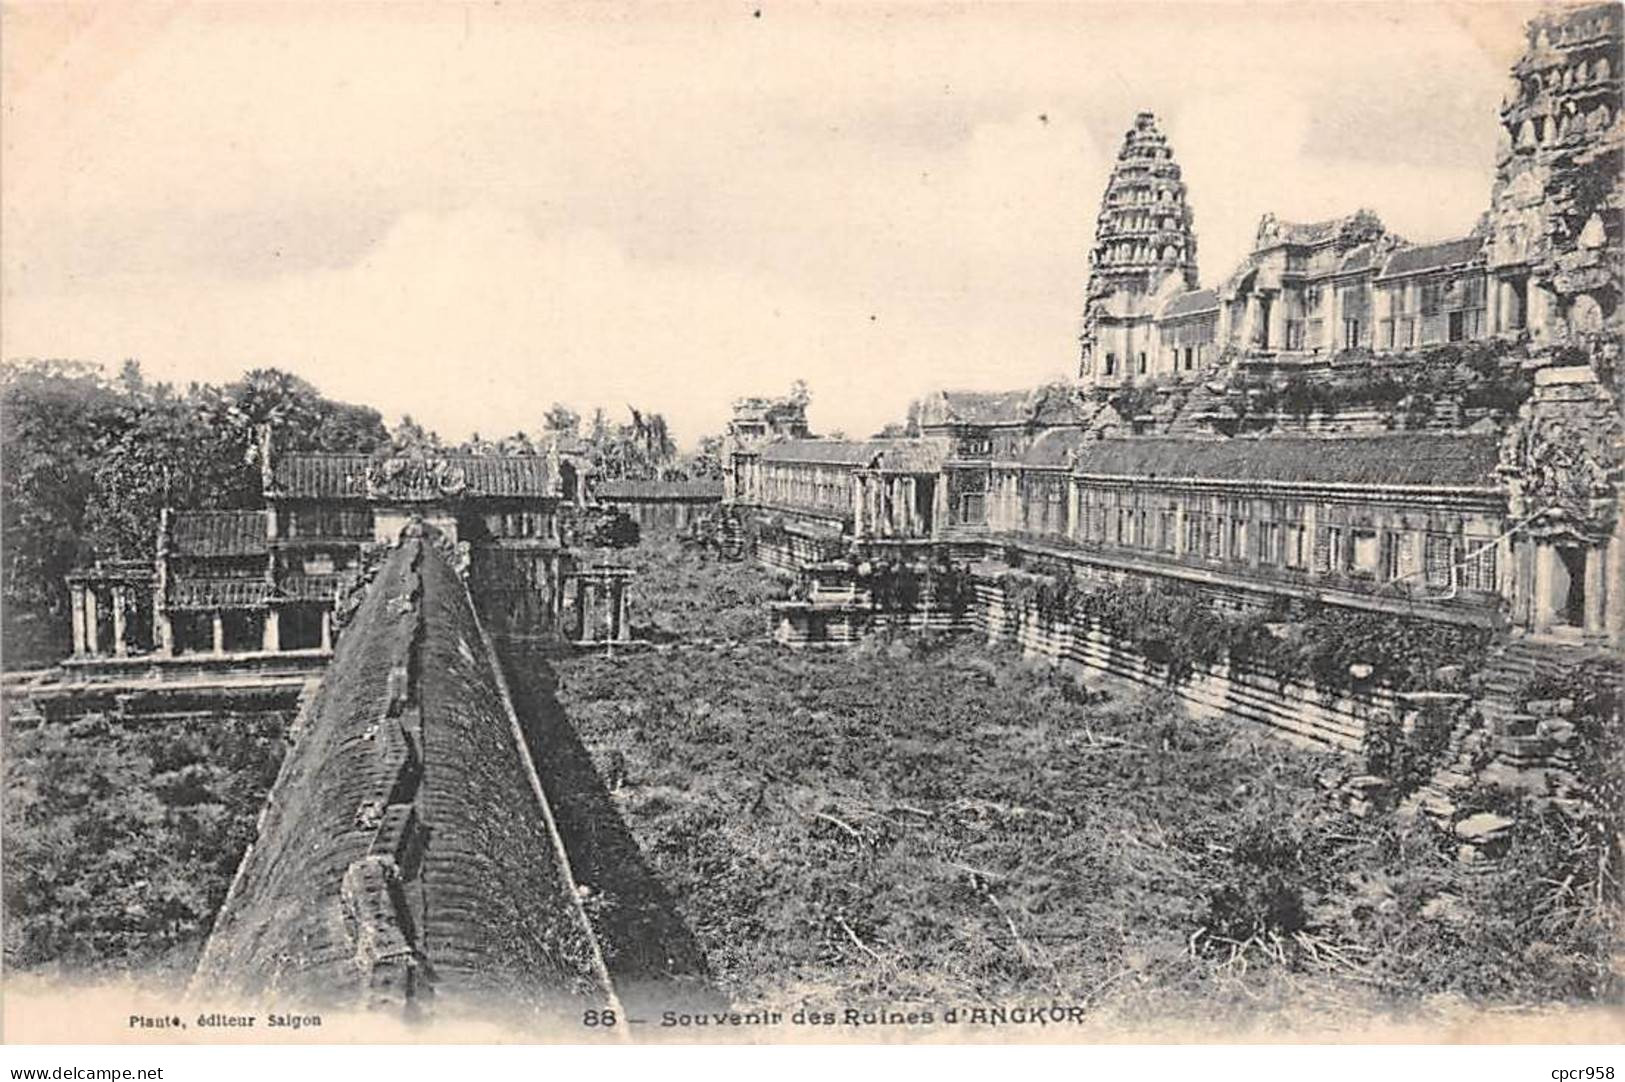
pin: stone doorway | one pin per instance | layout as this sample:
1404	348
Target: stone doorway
1567	597
925	502
300	627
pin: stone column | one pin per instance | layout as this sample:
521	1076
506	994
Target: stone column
1540	316
623	622
1311	533
76	612
327	629
163	632
92	628
120	647
1522	580
581	609
1332	328
271	632
1613	603
1596	587
1541	607
219	633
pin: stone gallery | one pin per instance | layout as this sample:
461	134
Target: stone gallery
1327	424
1358	500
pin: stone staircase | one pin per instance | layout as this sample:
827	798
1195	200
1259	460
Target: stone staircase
730	534
1514	665
1469	740
1500	730
1194	417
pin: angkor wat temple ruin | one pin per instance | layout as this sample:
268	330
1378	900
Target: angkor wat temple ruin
1542	262
1349	439
1348	435
1429	431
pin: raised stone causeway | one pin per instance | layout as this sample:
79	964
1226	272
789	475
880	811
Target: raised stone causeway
407	855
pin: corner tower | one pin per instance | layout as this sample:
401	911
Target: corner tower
1145	251
1556	228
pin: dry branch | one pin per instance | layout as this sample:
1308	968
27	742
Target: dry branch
842	824
860	944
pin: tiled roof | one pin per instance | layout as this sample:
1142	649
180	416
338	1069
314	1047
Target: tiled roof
1360	257
658	490
1426	257
1055	405
1185	304
1309	232
895	456
299	586
415	480
194	594
1052	448
1401	459
987	407
217	533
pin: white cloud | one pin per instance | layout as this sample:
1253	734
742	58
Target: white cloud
466	213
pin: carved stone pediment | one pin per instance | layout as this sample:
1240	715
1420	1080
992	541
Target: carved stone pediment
414	479
1566	467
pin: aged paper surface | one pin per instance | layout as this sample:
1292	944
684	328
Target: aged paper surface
811	523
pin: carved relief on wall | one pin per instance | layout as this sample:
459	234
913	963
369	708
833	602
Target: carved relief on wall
406	478
1565	466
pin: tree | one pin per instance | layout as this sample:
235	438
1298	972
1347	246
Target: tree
52	415
90	463
641	450
161	450
300	417
411	438
706	462
561	420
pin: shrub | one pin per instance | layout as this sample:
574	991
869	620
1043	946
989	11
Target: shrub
1259	891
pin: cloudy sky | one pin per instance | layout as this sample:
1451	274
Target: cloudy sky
466	212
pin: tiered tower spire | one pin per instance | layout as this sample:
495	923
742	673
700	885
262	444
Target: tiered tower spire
1143	236
1144	230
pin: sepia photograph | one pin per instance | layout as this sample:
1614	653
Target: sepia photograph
795	524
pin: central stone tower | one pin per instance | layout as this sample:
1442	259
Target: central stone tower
1144	252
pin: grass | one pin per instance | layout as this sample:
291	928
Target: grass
689	595
926	821
122	838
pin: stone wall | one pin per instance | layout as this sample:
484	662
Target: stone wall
1293	708
836	616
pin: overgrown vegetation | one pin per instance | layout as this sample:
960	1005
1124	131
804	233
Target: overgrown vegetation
122	838
1478	376
1593	733
1323	644
1407	757
902	586
690	594
919	820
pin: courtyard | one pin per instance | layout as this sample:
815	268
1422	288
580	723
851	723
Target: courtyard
926	821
